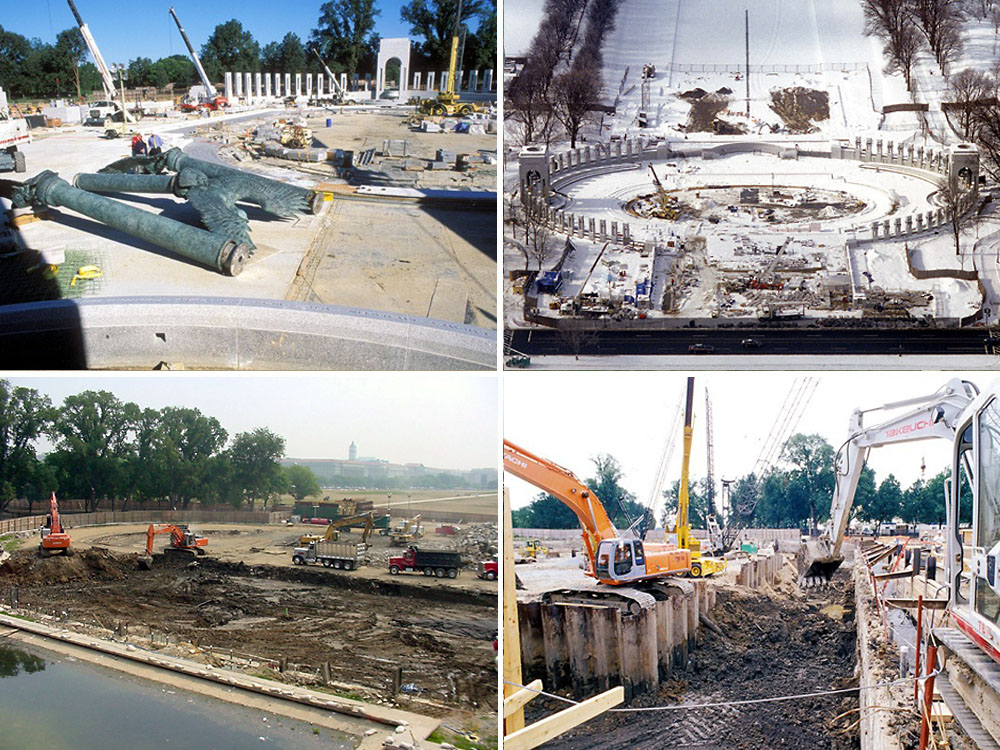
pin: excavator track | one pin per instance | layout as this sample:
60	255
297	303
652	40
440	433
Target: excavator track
630	601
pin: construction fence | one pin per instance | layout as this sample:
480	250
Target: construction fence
102	518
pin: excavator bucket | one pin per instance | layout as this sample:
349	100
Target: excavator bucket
816	562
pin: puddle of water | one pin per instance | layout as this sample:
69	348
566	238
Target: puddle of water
49	700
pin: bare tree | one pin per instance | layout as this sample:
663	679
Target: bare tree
528	103
949	43
971	89
536	240
987	130
574	97
902	51
936	19
892	22
956	199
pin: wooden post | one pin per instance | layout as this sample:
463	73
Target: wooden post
325	673
397	679
916	668
925	718
511	634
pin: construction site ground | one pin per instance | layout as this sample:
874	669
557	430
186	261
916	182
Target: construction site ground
380	253
245	606
778	641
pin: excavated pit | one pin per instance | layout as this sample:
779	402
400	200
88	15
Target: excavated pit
441	637
777	641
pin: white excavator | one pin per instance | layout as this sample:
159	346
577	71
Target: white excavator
934	416
969	636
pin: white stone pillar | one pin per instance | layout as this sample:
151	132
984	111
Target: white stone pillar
459	75
430	81
287	91
488	82
258	91
320	81
444	80
473	80
309	84
298	84
343	81
416	81
229	85
248	85
267	85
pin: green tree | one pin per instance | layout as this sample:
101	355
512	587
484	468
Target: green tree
14	52
433	21
230	47
620	504
345	33
886	504
255	457
811	459
697	504
545	512
176	69
186	440
72	48
293	54
25	416
94	429
140	72
301	481
481	47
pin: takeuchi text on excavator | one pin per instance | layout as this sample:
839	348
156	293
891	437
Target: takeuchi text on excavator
934	416
54	536
182	539
613	558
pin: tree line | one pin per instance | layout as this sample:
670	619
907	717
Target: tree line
560	83
108	450
344	36
798	494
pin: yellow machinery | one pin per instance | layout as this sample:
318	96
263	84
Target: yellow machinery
405	534
701	565
332	534
447	102
533	548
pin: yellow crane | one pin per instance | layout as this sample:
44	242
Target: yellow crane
448	102
701	565
407	533
332	533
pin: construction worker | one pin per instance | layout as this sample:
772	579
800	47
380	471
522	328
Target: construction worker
138	146
155	144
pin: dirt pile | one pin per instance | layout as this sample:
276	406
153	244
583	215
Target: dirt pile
95	564
800	107
773	646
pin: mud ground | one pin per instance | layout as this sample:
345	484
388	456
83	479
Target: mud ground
800	107
440	636
774	645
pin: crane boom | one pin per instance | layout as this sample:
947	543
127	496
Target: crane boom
933	416
109	82
210	91
329	72
614	559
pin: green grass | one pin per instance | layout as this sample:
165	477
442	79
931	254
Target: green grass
460	741
11	543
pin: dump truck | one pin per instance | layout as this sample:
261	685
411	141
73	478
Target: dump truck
438	563
337	555
488	570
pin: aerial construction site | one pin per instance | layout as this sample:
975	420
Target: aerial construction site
783	171
274	206
806	591
329	617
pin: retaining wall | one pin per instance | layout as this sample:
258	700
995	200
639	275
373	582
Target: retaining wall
74	520
760	569
591	648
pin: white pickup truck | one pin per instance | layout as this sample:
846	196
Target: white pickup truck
13	133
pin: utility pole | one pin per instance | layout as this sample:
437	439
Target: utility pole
746	23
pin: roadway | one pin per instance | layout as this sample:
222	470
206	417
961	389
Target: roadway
777	341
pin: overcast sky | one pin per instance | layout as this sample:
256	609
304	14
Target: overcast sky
570	418
438	419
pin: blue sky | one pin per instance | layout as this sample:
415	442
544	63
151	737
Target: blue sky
125	32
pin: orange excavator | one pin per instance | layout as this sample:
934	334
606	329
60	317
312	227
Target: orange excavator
182	539
614	558
54	536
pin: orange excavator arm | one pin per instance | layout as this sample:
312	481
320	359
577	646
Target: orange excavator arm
152	531
56	526
563	485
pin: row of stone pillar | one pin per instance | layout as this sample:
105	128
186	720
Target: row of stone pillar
760	569
596	152
899	226
905	154
586	227
274	85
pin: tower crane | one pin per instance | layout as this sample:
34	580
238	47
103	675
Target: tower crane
792	409
211	99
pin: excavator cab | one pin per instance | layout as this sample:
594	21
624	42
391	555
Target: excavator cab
621	560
